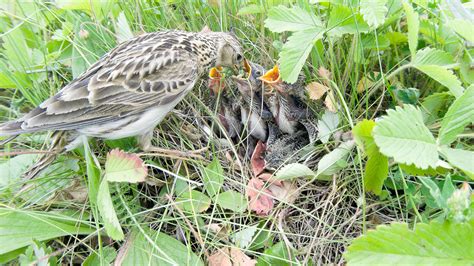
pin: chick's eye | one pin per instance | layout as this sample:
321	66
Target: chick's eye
239	57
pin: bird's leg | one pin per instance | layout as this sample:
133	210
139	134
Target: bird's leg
145	143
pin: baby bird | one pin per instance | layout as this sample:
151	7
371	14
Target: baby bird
287	103
131	88
255	113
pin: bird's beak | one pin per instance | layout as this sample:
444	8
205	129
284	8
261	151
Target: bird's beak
216	79
247	68
271	78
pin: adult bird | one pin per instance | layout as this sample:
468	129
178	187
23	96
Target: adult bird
131	88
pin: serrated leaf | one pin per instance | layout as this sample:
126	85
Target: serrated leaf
124	167
464	28
376	171
362	132
282	18
295	51
107	212
427	244
332	162
19	227
293	170
434	190
122	29
155	248
342	20
430	56
461	159
413	170
459	115
373	11
327	125
402	135
232	200
444	76
213	178
193	201
433	104
413	22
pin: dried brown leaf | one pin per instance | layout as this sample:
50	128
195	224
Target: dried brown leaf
330	102
230	257
316	90
259	197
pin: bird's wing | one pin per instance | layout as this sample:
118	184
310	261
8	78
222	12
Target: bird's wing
126	81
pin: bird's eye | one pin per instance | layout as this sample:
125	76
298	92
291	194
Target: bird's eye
258	73
239	57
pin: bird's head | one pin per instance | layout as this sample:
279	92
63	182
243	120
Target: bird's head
229	51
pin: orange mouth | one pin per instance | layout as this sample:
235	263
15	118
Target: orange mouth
247	68
272	79
216	79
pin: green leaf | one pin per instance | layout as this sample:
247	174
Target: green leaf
442	168
402	135
277	255
362	132
18	228
93	174
464	28
155	248
430	56
15	167
251	9
427	244
107	212
124	167
461	159
408	95
293	170
459	115
444	76
213	177
327	125
433	104
193	201
342	20
376	171
373	11
232	200
295	51
413	22
334	161
107	255
282	18
434	190
243	238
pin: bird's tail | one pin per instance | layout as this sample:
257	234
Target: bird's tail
11	130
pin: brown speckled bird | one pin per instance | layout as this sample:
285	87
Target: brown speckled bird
132	88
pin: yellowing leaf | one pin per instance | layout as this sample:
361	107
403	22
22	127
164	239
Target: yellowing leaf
364	84
316	90
124	167
330	102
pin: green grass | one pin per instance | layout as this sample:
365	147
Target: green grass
45	46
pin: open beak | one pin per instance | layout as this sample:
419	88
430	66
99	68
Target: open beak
216	79
271	78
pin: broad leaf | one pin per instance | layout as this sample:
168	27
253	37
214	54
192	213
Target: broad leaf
343	20
430	56
402	135
193	201
373	11
327	125
464	28
124	167
444	76
413	22
433	104
295	51
334	161
232	200
277	255
213	177
93	173
459	115
107	255
155	248
434	191
461	159
244	237
363	136
13	168
282	19
427	244
376	171
107	212
18	228
293	170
